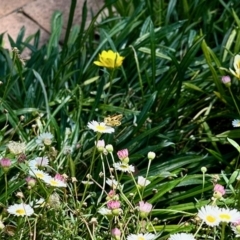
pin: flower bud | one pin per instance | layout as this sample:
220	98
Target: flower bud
219	191
5	163
116	212
123	155
144	209
31	182
116	234
100	145
226	80
109	148
151	155
203	169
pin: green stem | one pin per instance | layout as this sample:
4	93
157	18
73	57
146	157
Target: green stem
6	187
234	100
110	85
198	229
90	171
140	195
104	180
223	231
203	184
148	168
94	153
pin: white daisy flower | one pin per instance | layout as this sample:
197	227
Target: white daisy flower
114	184
236	123
38	162
228	215
37	203
210	215
142	181
100	127
54	182
44	139
105	211
236	230
20	209
38	174
123	167
181	236
140	236
87	182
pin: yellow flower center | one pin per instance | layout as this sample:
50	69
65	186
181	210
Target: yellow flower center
39	175
20	211
124	166
47	141
100	128
225	217
141	238
211	219
53	182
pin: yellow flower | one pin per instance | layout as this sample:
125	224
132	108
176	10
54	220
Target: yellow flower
109	59
236	65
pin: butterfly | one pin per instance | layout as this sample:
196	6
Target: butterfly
114	120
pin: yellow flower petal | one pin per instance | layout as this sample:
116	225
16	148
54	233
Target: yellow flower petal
109	59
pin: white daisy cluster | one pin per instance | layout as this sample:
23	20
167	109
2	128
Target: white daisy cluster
213	215
37	166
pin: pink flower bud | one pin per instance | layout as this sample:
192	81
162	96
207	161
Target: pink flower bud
226	80
219	189
5	163
144	208
59	177
123	155
116	233
112	196
100	144
113	205
31	181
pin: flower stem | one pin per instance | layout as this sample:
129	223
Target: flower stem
203	183
234	100
148	168
223	231
140	195
104	180
6	187
110	85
